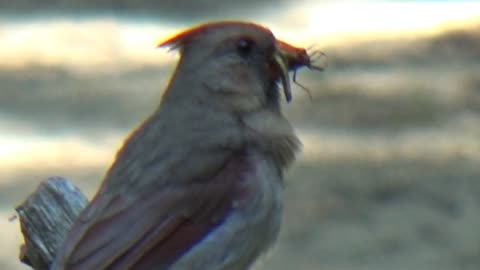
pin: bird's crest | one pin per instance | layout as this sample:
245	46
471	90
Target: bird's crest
178	41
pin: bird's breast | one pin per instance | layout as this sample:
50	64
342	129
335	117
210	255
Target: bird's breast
251	227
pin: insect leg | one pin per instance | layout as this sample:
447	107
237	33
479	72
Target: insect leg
301	86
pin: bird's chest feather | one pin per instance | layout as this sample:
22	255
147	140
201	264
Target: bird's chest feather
252	225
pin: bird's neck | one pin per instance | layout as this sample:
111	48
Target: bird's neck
212	125
271	132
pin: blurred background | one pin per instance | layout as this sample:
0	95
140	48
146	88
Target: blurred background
389	177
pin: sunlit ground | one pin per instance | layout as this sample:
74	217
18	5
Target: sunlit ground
387	178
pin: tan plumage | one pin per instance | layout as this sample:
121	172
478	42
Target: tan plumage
199	184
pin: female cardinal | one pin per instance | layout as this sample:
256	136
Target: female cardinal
199	185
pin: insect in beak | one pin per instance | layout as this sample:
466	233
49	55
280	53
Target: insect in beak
282	63
295	58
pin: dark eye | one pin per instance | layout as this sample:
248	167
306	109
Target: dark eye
245	47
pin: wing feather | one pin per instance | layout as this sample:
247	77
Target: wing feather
157	228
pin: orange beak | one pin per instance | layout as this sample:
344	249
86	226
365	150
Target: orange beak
288	58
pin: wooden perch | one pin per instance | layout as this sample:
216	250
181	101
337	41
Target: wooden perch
45	218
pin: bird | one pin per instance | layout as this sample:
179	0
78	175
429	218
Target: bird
199	184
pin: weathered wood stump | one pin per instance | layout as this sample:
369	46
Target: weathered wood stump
45	218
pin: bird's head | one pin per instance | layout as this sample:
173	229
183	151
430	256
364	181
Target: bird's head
233	65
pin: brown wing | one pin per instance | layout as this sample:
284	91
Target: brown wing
158	228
